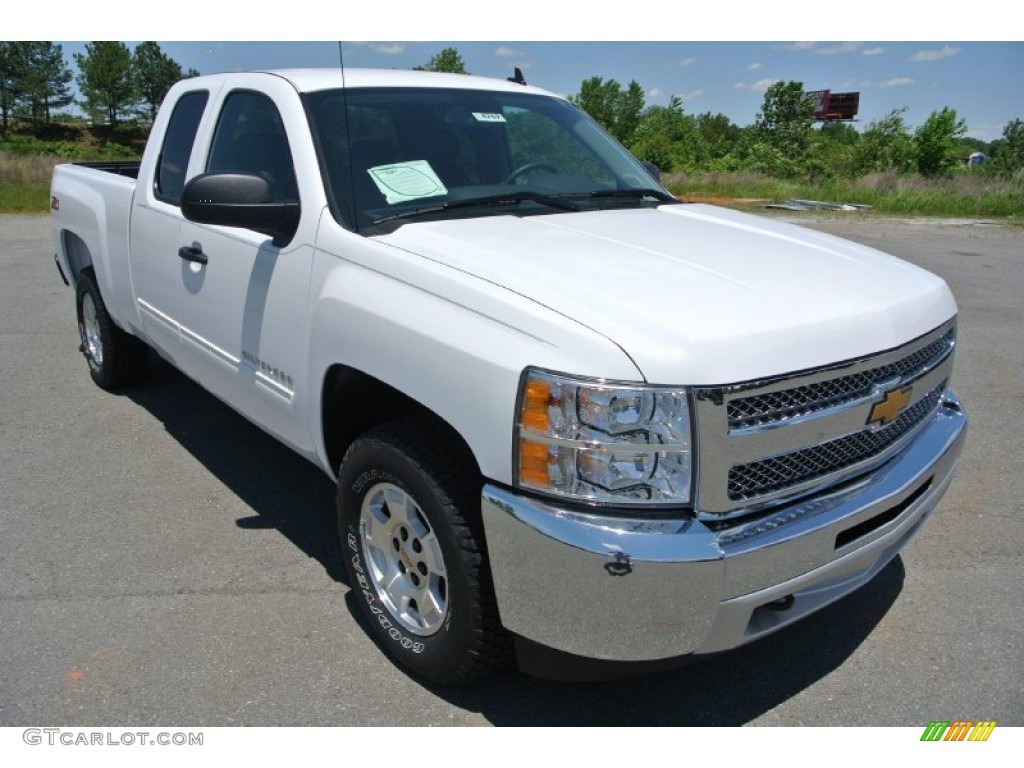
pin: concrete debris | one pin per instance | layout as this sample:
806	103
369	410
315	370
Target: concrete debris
816	205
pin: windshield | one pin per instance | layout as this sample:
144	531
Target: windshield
392	155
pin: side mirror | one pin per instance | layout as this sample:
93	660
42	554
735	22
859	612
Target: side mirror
652	169
239	200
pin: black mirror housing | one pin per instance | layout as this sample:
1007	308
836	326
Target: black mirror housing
239	200
652	169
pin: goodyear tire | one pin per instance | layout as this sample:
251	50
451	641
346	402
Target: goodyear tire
408	517
116	358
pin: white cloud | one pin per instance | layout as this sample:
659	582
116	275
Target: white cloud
694	94
892	82
504	52
389	49
832	50
986	132
759	87
755	65
876	51
654	93
799	46
934	55
687	62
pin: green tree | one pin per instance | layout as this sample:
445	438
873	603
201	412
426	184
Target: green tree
597	98
14	67
448	60
831	150
665	136
47	81
716	137
935	142
886	145
836	132
628	109
1008	151
155	72
617	110
107	81
786	117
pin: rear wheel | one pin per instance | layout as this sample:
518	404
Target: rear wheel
115	358
408	515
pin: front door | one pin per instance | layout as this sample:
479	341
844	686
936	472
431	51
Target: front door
243	312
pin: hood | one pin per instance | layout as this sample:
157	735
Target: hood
696	294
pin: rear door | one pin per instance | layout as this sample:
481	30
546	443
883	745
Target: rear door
157	272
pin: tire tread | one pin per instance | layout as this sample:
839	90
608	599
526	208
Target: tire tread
441	463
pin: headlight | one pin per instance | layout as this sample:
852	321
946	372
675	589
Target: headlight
612	443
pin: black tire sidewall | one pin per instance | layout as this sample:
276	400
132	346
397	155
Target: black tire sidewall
100	372
436	656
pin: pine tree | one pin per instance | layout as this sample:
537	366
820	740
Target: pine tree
47	80
13	69
107	81
156	72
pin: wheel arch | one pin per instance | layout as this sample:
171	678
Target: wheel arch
353	402
77	254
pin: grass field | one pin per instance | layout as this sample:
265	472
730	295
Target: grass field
968	194
26	162
25	182
25	179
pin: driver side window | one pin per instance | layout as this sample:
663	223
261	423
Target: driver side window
250	138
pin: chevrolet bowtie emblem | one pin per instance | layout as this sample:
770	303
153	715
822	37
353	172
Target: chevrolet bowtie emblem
888	408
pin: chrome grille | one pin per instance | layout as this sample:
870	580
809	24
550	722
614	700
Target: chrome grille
772	407
771	475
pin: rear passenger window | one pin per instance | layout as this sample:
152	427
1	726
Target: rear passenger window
250	138
177	148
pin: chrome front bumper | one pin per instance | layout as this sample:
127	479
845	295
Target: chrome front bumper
629	589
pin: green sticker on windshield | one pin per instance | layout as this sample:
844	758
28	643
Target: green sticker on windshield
412	180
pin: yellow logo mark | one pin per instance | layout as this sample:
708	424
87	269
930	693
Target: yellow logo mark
888	408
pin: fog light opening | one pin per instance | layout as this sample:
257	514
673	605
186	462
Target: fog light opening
782	604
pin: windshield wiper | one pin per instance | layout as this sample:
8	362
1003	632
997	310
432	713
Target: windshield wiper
657	194
510	198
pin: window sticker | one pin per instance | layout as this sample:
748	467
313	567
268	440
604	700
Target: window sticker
489	117
399	182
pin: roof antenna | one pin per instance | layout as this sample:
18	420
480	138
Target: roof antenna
517	77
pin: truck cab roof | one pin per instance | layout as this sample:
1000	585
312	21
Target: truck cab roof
324	78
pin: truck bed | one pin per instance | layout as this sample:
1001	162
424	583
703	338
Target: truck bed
120	167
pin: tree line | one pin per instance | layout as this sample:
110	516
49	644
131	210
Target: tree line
116	84
783	141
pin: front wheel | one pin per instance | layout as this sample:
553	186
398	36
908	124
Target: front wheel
115	358
408	516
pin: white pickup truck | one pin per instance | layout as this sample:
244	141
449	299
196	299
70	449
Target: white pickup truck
569	416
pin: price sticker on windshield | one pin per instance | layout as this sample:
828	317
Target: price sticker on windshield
412	180
489	117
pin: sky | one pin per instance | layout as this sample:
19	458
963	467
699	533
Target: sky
717	57
728	77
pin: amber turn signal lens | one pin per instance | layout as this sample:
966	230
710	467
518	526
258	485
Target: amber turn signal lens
533	464
535	405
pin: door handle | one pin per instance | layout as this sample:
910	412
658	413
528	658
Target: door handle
188	253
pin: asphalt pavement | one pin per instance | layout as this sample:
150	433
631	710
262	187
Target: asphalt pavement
162	561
